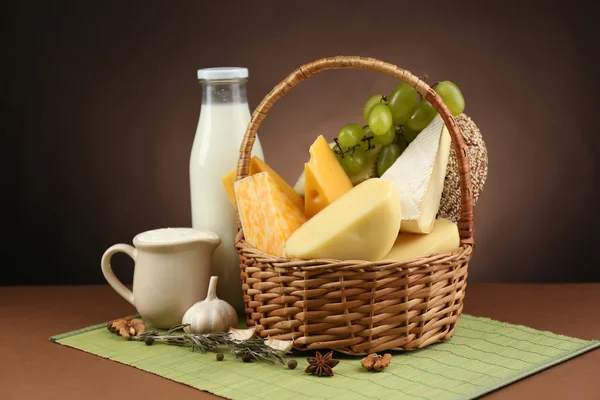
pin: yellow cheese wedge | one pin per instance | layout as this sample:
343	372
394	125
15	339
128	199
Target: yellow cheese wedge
443	239
360	225
369	170
267	215
257	165
325	179
228	182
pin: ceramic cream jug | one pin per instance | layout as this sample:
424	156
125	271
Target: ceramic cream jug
172	269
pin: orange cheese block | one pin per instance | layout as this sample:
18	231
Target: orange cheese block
325	179
250	215
257	165
267	214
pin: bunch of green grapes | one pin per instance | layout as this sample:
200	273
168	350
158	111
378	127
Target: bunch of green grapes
392	122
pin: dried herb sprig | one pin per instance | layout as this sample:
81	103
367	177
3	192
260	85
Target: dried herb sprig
254	348
202	343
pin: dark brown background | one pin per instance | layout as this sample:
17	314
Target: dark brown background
100	105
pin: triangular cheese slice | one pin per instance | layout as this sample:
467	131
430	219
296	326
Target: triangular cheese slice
360	225
326	180
419	177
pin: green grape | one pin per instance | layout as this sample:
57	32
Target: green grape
375	99
387	157
402	144
402	102
386	138
337	150
367	143
409	134
380	119
364	142
364	145
350	135
422	115
452	96
354	161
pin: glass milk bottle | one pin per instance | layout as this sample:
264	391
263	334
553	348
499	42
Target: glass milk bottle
224	117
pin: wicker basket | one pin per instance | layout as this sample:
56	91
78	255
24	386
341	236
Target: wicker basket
356	307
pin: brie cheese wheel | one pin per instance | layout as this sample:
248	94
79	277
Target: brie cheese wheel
418	175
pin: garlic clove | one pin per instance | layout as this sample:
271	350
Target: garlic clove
283	346
242	334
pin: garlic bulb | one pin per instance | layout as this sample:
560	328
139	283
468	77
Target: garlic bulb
210	314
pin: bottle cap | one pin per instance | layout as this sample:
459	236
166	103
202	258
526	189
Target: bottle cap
222	73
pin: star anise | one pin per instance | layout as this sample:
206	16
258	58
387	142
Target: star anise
321	365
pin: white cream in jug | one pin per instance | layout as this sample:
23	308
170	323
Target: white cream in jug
224	117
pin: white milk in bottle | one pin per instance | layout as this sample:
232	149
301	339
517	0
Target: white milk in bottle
224	117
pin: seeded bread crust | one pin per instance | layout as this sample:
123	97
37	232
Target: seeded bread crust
478	161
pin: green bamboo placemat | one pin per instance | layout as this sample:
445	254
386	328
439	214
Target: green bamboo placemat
483	355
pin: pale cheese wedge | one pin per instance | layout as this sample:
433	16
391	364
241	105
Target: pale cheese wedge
418	175
443	239
361	225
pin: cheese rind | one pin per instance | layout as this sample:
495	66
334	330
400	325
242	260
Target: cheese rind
267	215
360	225
325	179
419	176
256	166
443	239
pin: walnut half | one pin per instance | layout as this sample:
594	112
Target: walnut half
375	362
127	327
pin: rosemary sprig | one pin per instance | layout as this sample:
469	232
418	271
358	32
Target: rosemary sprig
202	343
255	348
176	328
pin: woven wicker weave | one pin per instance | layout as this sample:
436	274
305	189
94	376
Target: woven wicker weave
356	307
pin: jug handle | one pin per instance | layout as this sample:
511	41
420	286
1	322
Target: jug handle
110	275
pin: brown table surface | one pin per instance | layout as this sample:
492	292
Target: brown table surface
31	367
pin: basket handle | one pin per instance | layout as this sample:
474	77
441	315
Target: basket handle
465	224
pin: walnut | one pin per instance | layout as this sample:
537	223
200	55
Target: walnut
127	327
375	362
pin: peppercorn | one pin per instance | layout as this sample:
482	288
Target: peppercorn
246	358
292	364
220	356
149	340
